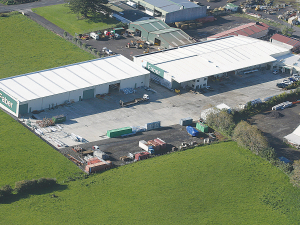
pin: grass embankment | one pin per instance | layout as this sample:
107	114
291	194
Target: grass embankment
216	184
28	47
61	16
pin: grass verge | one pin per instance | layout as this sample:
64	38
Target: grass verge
61	16
215	184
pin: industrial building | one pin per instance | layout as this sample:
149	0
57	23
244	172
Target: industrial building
284	41
71	83
159	33
254	30
172	11
192	65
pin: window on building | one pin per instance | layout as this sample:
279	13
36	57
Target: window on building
204	85
193	85
197	80
205	78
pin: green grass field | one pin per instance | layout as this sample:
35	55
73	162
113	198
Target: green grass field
216	184
24	156
61	16
25	47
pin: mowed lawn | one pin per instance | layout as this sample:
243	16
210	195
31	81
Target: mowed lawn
61	16
216	184
26	47
25	156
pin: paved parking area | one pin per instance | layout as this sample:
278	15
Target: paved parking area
276	128
91	118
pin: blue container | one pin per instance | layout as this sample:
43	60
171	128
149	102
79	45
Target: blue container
192	131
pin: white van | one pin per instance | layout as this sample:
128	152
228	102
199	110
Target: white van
94	36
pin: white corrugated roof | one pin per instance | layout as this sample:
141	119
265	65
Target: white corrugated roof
70	77
217	56
294	137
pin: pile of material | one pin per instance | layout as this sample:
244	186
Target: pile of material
275	114
46	122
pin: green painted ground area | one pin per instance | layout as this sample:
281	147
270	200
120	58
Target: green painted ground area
61	16
216	184
26	47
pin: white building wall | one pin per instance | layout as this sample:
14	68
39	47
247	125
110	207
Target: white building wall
74	95
102	89
135	82
55	100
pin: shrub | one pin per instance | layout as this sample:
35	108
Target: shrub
24	186
5	191
65	34
250	137
285	167
46	182
84	45
268	154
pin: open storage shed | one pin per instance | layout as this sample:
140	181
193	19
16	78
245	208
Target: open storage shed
44	89
191	65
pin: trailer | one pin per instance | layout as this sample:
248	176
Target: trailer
135	101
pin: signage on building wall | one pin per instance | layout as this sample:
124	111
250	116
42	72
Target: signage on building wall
154	69
8	102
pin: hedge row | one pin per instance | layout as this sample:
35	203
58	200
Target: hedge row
27	186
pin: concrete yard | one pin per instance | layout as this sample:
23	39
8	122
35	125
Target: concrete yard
91	118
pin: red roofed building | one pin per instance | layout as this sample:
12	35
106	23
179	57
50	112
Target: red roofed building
284	41
254	30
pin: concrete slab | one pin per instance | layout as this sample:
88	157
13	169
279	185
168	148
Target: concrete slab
91	118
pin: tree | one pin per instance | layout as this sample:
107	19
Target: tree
88	7
222	121
250	137
287	31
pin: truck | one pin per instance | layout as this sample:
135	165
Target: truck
94	36
145	146
135	101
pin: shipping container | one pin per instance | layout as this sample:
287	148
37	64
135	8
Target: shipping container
118	132
98	166
186	121
59	119
141	156
202	127
192	131
162	143
153	125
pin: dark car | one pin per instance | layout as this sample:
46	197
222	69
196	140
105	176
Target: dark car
281	85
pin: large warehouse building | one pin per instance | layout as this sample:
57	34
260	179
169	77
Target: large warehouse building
159	33
45	89
191	65
172	11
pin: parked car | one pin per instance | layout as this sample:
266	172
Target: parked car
275	71
281	85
